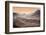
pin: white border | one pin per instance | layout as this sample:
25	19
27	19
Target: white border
11	29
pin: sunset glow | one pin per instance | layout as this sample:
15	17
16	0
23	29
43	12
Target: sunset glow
25	10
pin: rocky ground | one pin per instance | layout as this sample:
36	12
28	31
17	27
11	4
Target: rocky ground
27	21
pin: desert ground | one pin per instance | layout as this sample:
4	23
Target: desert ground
26	20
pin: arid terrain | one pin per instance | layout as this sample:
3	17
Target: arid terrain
26	20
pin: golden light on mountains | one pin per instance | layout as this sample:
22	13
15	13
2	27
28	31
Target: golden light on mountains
26	10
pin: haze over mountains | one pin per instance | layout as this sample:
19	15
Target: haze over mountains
26	20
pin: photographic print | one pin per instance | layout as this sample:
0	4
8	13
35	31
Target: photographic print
23	17
26	17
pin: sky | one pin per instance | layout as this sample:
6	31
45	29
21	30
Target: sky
26	10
